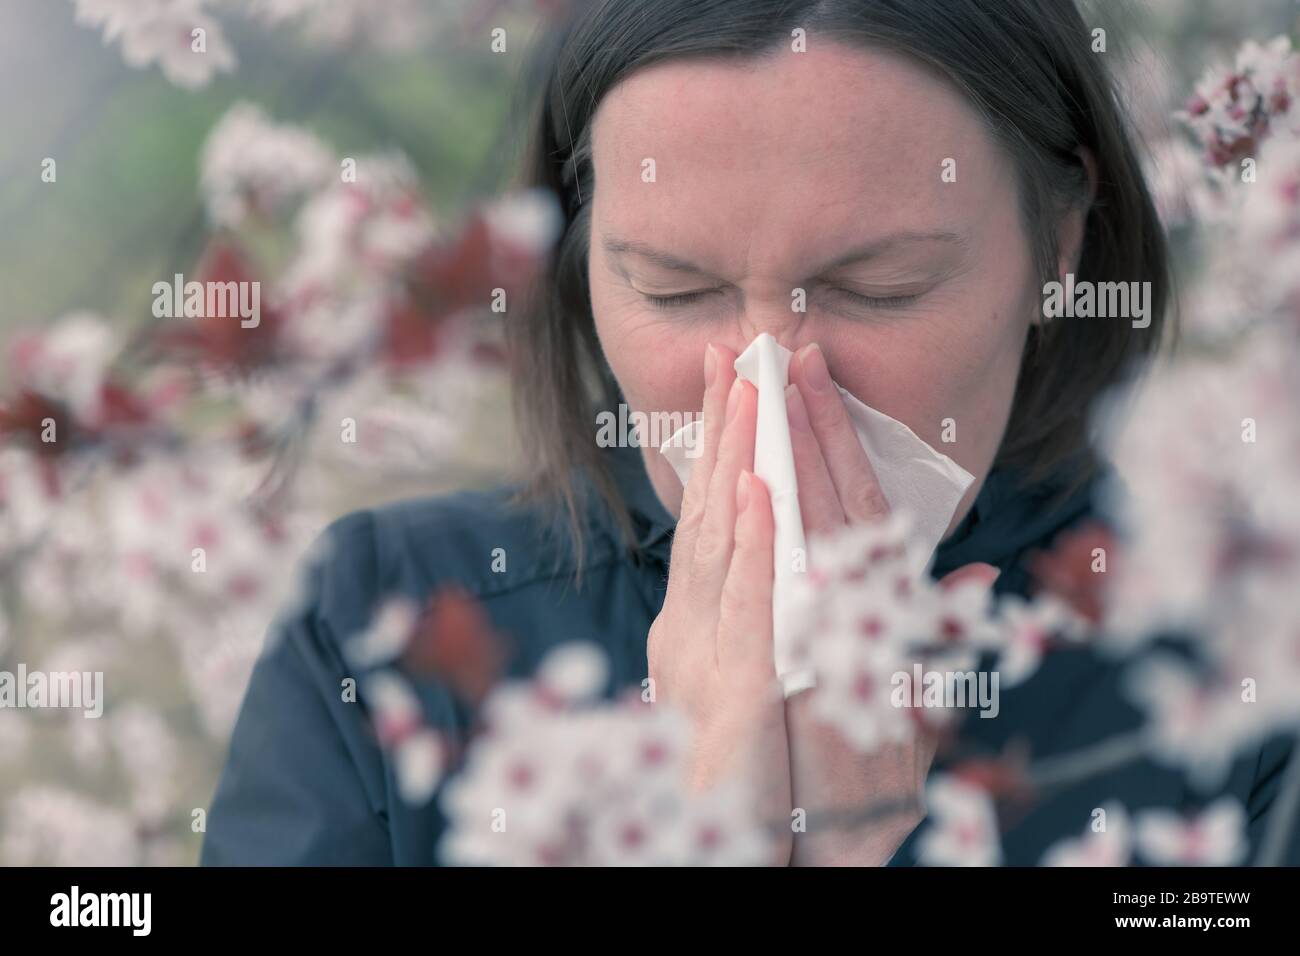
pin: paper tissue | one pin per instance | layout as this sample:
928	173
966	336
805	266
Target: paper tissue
913	476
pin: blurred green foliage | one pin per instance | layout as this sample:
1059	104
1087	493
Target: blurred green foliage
126	209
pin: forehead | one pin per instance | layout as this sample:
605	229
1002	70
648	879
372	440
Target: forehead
801	151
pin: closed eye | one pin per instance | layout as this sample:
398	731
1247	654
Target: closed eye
677	301
881	302
684	299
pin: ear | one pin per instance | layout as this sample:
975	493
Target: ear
1069	237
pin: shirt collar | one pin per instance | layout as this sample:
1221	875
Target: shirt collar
1008	515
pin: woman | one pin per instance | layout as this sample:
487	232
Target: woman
915	172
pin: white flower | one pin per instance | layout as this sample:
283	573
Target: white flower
27	502
1214	837
15	735
150	754
1270	220
68	362
530	220
559	779
251	163
961	827
115	16
363	231
187	520
163	32
218	653
52	826
415	749
1209	455
1234	109
388	634
1027	629
574	672
1193	723
397	434
1184	190
866	614
1112	845
857	697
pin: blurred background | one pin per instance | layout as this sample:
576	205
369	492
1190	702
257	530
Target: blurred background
226	167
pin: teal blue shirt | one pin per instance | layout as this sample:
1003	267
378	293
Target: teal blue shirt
306	783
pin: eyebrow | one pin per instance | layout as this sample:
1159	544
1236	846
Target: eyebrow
619	247
666	260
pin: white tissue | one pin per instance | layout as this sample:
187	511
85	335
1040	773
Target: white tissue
914	477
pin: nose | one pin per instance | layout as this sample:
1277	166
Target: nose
780	313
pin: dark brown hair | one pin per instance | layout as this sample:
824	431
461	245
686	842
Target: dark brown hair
1026	65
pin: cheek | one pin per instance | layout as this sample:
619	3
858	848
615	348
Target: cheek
950	377
659	363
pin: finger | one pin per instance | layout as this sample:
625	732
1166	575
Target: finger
719	373
819	503
978	572
851	472
714	541
745	605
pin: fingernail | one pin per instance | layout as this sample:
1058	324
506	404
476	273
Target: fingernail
814	368
733	399
795	411
710	366
742	492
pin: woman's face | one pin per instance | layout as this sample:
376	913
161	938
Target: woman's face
821	171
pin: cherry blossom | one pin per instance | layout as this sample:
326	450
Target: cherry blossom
866	612
416	750
961	828
1269	232
558	778
163	32
52	826
250	164
148	752
1234	109
1111	845
1209	455
140	535
1029	630
1213	837
388	634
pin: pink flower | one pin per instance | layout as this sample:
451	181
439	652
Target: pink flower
162	32
559	778
866	615
1234	110
1107	841
1214	837
415	750
251	164
961	827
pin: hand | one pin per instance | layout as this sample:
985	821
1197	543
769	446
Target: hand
837	487
710	649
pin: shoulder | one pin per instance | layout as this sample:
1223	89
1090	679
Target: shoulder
485	542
